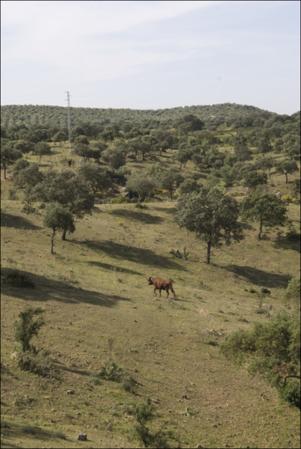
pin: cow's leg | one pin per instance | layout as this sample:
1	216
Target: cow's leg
174	293
160	292
167	293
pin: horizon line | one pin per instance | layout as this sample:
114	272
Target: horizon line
152	109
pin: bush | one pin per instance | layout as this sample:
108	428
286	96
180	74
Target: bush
293	289
144	412
152	439
273	349
15	278
37	362
129	384
291	393
111	371
27	327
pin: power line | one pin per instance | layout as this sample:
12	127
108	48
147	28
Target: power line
68	117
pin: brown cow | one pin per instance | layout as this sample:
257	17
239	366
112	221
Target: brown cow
162	284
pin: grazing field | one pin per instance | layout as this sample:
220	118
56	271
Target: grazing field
99	308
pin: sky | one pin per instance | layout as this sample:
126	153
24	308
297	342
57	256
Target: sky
151	54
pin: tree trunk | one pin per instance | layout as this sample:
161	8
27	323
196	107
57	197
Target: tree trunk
260	229
52	241
208	251
4	171
286	178
170	193
64	234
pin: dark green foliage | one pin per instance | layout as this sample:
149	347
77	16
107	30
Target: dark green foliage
115	157
114	373
190	123
157	439
28	177
111	371
212	215
42	149
129	384
8	155
38	363
184	155
57	217
291	392
95	176
273	349
67	189
189	185
170	180
19	165
293	289
24	146
266	208
143	412
241	149
286	167
142	185
254	178
29	324
264	144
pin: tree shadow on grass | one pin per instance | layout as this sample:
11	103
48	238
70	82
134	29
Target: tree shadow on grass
132	253
15	221
9	429
139	216
50	289
73	369
289	242
260	277
113	268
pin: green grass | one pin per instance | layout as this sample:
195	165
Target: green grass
95	289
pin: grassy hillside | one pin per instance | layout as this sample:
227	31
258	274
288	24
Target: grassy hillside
98	306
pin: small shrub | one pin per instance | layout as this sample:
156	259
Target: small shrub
129	384
38	363
291	393
153	439
144	412
236	343
27	327
111	371
293	289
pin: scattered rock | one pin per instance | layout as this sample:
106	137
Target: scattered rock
265	291
110	427
70	391
82	437
14	355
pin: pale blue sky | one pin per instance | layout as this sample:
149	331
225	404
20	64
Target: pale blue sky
151	54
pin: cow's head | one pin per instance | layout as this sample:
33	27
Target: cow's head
150	281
